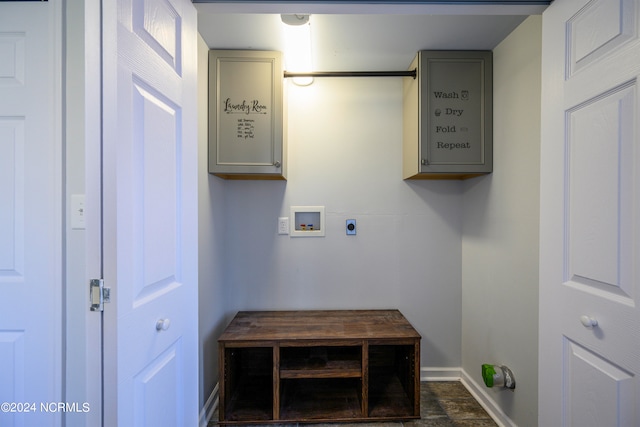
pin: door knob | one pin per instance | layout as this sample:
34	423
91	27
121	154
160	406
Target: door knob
588	322
163	324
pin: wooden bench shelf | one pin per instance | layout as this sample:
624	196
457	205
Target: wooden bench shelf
329	366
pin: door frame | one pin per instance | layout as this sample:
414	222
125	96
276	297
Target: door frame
81	102
93	200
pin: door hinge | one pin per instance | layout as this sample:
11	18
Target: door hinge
98	294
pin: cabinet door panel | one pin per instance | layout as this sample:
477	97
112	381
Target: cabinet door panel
246	138
448	115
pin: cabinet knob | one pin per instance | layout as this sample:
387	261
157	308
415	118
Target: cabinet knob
276	164
588	322
424	161
163	324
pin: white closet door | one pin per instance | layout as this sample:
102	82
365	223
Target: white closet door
30	214
150	213
590	215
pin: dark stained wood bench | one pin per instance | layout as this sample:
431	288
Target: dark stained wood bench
319	366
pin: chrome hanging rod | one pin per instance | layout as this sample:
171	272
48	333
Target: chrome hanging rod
410	73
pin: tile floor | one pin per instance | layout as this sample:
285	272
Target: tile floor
442	404
449	404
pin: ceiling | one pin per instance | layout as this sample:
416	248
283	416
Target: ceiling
366	37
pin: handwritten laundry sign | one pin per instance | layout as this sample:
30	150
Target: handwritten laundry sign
245	119
246	136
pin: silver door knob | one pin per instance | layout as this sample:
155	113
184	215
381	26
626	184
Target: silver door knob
588	322
163	324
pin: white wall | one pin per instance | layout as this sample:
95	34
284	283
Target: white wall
500	233
345	142
211	244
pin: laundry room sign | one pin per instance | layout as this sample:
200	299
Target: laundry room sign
244	100
245	113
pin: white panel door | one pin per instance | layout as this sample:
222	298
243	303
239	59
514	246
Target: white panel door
30	215
150	213
590	215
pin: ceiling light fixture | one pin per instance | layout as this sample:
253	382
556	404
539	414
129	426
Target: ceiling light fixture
297	37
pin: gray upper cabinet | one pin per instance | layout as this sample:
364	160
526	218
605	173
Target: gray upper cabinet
447	116
246	115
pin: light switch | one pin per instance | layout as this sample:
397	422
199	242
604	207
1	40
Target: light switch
77	212
283	225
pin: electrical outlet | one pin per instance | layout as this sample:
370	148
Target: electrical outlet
351	227
283	225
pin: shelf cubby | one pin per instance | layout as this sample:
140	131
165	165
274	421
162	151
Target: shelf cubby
321	399
248	384
321	362
391	380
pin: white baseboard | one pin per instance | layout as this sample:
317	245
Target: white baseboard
209	408
439	374
477	391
